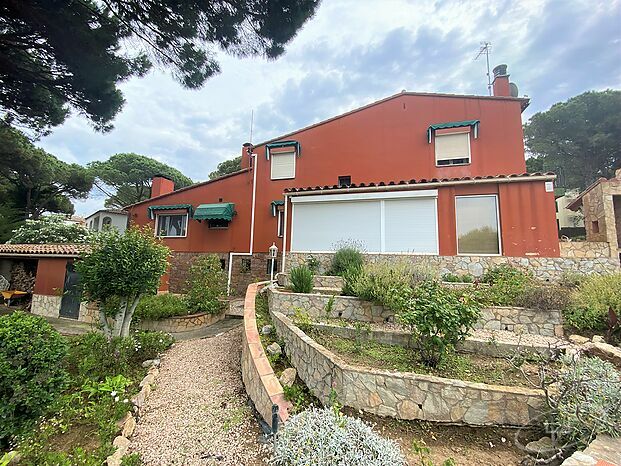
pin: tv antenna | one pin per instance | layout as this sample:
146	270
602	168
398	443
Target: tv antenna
251	123
486	49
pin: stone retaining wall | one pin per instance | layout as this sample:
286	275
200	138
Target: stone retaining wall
319	281
404	395
316	305
518	319
603	451
45	305
261	383
403	338
544	268
179	324
585	249
546	323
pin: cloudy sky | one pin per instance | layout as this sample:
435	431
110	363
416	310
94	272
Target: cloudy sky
351	53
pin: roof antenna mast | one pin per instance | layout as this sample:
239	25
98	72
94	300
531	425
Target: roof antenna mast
486	49
252	123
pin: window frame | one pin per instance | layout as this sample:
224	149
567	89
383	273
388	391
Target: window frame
157	225
220	227
461	164
499	232
342	178
277	154
280	223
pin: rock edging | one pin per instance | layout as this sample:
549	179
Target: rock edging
127	425
262	385
180	324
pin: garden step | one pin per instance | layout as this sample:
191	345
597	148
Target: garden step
236	308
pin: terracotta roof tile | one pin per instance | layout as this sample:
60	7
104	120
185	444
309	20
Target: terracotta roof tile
421	181
42	249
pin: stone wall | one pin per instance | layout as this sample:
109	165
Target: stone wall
89	312
404	395
319	281
519	319
544	268
403	338
603	451
45	305
316	305
262	385
515	319
584	249
180	324
241	275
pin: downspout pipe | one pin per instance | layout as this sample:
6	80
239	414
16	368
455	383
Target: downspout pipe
254	160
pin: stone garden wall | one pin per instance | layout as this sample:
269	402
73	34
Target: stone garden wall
403	338
546	323
45	305
179	324
522	320
584	249
319	281
261	383
317	305
544	268
404	395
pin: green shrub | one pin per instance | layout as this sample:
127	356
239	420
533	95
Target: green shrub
93	356
132	459
161	306
301	279
438	318
31	370
543	297
313	263
346	258
572	279
506	284
592	299
587	402
206	285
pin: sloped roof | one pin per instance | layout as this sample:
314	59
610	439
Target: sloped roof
448	181
38	250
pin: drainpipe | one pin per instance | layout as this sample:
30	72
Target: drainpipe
254	161
284	235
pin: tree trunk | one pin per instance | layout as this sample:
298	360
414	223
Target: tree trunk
127	321
104	324
119	318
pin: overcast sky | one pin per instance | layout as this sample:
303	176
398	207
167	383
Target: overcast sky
351	53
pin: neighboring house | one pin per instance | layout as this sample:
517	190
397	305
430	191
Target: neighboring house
107	218
570	223
415	173
56	292
600	204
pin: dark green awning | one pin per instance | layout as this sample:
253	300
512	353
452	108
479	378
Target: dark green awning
274	206
274	145
154	208
220	211
453	124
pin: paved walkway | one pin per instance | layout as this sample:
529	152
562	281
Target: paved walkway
198	413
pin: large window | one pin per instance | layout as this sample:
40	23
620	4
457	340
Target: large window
452	149
283	165
174	225
477	225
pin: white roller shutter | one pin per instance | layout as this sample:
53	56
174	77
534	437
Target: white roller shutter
380	222
320	226
452	146
410	226
283	165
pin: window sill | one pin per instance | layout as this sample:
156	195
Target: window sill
453	165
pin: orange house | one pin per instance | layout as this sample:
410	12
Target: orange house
415	173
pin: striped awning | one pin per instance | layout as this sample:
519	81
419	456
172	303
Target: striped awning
154	208
453	124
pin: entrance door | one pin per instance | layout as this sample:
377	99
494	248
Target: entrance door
70	304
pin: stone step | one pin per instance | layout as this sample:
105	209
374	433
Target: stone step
236	308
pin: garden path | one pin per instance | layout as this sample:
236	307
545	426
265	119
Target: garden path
198	412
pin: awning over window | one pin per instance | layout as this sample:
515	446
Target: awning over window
453	124
152	209
274	206
276	145
220	211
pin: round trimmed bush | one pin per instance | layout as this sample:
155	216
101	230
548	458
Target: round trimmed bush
323	437
31	370
346	259
161	306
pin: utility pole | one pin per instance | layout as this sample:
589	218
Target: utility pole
486	49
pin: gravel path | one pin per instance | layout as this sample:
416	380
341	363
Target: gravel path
198	415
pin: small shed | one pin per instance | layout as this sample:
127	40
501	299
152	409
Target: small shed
55	292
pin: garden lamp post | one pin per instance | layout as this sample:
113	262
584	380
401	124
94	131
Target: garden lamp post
273	255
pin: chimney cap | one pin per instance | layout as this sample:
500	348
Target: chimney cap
247	144
500	70
160	175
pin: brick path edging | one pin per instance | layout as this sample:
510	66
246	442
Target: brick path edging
262	385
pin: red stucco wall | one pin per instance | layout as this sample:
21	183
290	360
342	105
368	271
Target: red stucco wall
50	278
384	142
